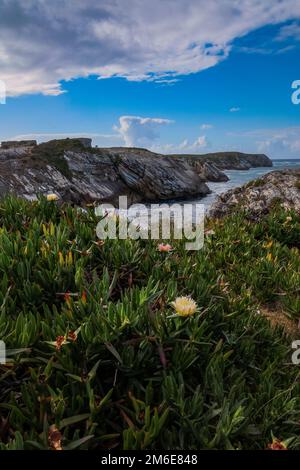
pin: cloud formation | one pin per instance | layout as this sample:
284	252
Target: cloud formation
43	43
283	142
139	131
197	146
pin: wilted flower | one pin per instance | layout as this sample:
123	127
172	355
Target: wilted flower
69	258
184	306
60	340
72	336
276	444
54	438
83	297
52	197
164	247
67	298
207	233
288	219
224	286
269	244
61	258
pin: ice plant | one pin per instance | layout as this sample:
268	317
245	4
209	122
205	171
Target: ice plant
269	244
67	298
164	247
288	219
61	258
60	340
54	438
52	197
72	336
276	444
184	306
83	297
69	258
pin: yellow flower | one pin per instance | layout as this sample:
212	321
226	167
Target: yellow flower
69	258
184	306
61	258
269	244
52	197
269	257
288	220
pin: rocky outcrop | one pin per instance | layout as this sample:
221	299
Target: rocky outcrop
207	171
258	197
231	160
80	175
13	144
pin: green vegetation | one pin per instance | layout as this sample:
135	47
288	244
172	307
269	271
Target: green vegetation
97	351
255	184
52	153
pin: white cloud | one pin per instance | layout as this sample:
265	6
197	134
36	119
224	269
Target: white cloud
184	144
280	142
43	42
184	147
206	126
234	109
290	31
200	142
139	131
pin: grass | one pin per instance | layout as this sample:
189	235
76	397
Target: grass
97	358
52	153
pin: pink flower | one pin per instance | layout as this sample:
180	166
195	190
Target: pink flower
164	247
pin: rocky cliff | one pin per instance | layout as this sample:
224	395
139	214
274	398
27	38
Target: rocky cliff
80	174
259	196
230	160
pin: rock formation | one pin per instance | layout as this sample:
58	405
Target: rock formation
231	160
258	197
81	174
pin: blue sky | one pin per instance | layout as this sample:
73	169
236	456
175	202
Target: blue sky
170	89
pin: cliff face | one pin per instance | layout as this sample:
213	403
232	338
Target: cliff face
259	196
81	175
231	160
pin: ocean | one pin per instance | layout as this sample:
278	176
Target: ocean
236	178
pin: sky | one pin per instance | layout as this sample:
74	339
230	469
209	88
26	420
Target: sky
174	76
